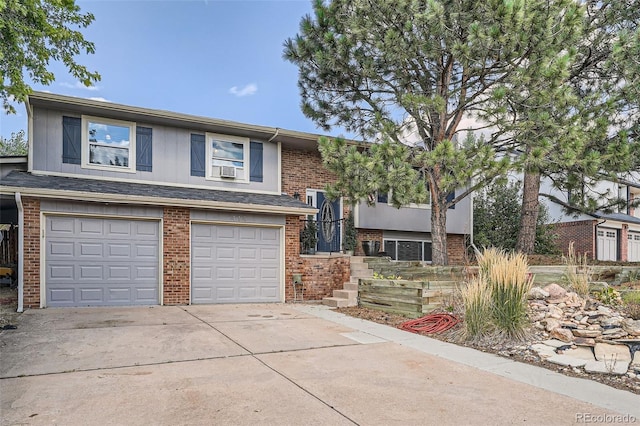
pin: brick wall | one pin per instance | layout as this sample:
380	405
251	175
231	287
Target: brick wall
31	253
582	233
176	265
456	250
368	234
320	274
624	243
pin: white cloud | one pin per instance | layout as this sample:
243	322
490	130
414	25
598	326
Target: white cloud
98	98
248	90
78	85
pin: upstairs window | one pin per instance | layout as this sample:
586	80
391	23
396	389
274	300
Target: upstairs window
108	144
227	157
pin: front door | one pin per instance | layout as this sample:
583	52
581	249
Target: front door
328	219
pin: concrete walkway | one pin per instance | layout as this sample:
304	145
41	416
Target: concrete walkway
270	364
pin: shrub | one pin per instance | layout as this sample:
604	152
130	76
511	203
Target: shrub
509	283
477	303
633	310
577	273
504	281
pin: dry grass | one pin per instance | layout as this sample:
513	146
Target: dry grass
477	304
578	273
496	301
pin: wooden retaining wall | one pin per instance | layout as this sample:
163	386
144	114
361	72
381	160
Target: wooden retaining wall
412	299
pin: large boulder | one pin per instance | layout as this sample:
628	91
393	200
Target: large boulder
557	294
632	327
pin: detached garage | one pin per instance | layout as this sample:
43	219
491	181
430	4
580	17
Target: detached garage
94	261
235	263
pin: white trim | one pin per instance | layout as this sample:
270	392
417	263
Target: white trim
20	252
282	242
150	182
279	145
246	165
43	260
156	201
85	164
43	248
29	136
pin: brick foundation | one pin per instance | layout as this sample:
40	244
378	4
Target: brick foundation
31	260
582	233
456	249
368	235
176	252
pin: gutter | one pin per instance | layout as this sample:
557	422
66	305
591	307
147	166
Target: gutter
157	201
20	253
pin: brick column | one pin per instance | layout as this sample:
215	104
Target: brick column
293	264
31	255
624	243
176	256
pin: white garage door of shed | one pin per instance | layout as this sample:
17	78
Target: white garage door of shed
607	244
101	262
634	246
234	264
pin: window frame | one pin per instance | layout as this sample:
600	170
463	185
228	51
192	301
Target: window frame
85	149
246	166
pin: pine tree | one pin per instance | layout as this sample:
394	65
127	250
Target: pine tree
407	73
584	128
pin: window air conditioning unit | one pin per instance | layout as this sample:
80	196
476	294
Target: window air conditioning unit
228	172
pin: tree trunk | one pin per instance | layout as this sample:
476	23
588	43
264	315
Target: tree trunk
529	213
438	230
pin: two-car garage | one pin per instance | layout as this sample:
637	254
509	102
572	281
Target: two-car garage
111	261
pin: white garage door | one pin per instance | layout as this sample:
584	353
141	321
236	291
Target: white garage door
634	246
607	244
101	262
234	264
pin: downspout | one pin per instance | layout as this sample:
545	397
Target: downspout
274	135
20	252
471	243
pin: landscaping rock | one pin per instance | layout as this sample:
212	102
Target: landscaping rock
543	351
632	327
582	341
586	333
537	293
609	367
568	361
554	343
550	324
562	334
582	352
606	352
557	294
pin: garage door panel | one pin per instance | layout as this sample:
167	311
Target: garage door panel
90	272
233	264
225	253
61	272
102	262
91	227
91	249
247	254
61	249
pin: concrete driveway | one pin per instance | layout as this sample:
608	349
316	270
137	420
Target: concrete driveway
270	364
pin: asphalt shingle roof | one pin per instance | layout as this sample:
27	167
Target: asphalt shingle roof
619	217
27	180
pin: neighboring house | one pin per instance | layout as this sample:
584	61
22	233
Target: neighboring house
123	205
602	236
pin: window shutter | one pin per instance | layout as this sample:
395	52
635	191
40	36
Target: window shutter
198	153
71	140
383	198
450	197
255	160
144	149
428	254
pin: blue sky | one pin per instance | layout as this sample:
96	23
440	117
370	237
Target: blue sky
220	59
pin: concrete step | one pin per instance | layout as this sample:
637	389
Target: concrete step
356	259
346	294
354	280
351	286
336	302
360	269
